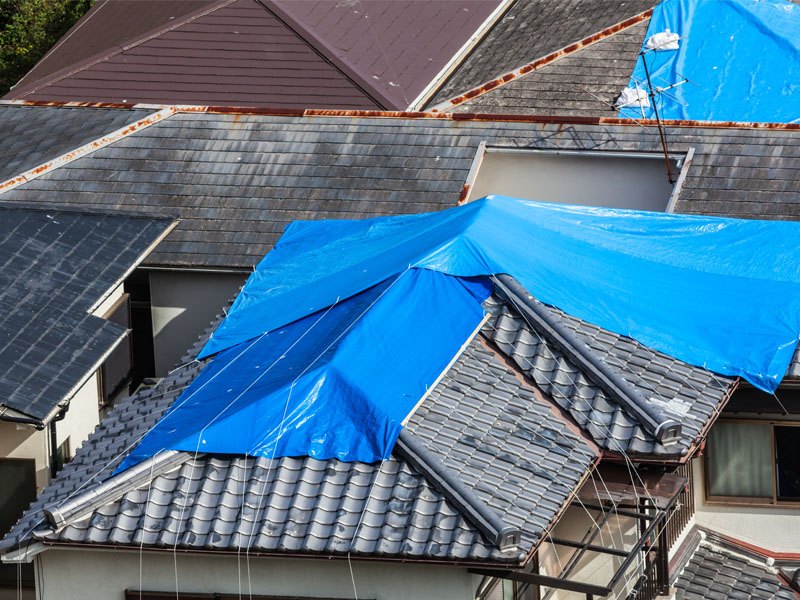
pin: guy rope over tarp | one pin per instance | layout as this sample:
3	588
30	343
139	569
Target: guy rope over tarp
735	60
344	327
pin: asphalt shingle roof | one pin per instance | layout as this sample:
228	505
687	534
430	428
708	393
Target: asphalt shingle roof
55	266
532	29
32	135
237	180
585	83
721	571
302	505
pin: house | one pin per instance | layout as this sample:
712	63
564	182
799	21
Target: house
66	338
526	433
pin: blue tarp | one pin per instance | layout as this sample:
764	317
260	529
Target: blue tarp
742	58
713	292
335	384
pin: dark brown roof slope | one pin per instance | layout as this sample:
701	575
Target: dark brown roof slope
109	23
532	29
235	53
397	47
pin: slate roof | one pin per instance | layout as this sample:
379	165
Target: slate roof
32	135
719	570
237	180
266	53
525	469
55	266
585	83
532	29
691	395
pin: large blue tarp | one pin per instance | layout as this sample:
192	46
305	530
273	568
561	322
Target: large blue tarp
713	292
337	383
742	58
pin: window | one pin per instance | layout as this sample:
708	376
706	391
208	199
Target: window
17	491
116	370
636	180
753	462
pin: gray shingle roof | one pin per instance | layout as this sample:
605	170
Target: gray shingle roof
585	83
532	29
690	395
32	135
301	505
237	180
719	571
55	266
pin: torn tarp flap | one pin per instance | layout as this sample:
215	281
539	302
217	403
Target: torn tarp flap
335	384
713	292
741	59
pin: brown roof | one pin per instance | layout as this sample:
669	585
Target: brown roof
360	54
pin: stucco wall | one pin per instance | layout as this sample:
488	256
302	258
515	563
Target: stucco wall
70	574
773	528
183	306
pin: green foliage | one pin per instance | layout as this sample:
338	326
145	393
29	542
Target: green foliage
28	28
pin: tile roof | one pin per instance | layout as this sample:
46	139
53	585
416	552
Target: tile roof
585	83
268	53
526	469
237	180
532	29
720	570
56	266
32	135
690	395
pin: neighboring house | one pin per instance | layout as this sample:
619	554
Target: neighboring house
66	338
518	453
271	53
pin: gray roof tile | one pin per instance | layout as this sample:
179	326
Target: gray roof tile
237	180
690	395
56	266
532	29
718	569
32	135
308	506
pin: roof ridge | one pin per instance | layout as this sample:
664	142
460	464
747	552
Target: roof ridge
328	53
110	490
502	535
540	62
70	70
89	212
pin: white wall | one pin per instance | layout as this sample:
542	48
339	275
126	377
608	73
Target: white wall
183	305
771	527
639	183
71	574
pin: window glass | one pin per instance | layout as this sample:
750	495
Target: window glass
787	453
740	460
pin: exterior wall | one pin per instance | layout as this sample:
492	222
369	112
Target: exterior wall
639	183
23	441
65	573
772	527
183	305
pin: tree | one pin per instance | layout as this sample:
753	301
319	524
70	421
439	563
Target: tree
28	28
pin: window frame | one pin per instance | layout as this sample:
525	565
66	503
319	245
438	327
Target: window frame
745	500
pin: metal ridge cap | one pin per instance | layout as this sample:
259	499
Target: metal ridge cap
504	536
110	490
663	428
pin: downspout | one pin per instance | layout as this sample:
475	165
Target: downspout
54	442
